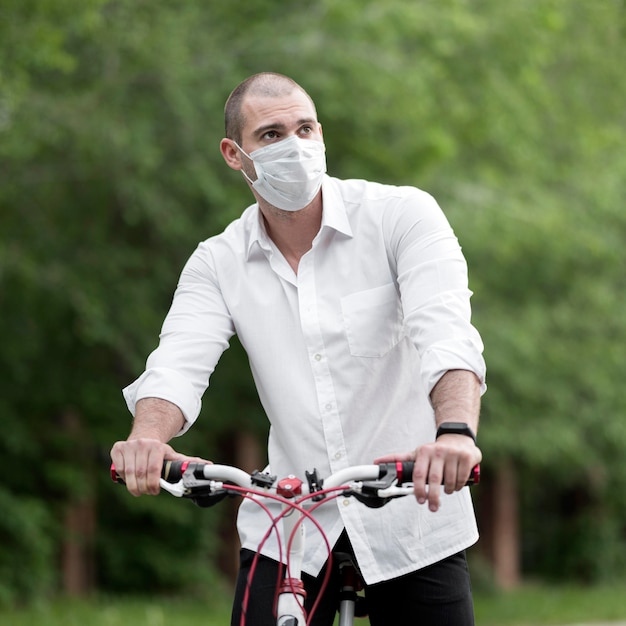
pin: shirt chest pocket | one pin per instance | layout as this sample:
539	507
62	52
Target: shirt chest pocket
373	320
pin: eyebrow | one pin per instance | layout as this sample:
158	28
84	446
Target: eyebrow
281	127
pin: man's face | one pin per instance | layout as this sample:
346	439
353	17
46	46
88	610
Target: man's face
268	120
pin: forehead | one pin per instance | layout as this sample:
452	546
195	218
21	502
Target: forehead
260	111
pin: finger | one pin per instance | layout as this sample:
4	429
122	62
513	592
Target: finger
435	478
117	459
154	467
420	475
146	466
130	474
451	474
463	473
466	467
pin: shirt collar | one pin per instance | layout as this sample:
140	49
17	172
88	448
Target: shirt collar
333	216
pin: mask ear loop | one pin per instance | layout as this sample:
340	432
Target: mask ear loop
243	151
251	159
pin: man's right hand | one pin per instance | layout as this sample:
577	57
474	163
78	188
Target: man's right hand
139	463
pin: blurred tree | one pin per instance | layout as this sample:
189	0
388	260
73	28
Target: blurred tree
110	115
105	187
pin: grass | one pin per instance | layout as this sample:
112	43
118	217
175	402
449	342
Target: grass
121	612
528	606
552	605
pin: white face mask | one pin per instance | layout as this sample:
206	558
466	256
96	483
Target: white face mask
289	172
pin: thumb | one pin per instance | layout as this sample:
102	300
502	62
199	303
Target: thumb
401	456
172	455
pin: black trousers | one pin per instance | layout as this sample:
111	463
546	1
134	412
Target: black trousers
437	595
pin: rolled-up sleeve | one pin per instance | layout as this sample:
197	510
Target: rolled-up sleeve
165	384
433	282
195	333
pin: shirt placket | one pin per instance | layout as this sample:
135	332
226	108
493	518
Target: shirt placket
312	322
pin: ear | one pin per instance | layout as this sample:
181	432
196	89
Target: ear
231	154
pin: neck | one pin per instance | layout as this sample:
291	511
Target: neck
293	231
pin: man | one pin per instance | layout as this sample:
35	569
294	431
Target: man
352	303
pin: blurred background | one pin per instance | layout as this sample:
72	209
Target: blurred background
512	114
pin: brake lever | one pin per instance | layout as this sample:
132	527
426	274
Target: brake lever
176	489
374	493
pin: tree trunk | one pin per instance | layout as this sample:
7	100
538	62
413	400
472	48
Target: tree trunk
246	454
77	555
79	523
505	528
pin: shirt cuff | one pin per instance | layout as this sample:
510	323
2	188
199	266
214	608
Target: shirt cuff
453	355
165	384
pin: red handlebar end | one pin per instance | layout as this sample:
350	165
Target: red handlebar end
475	475
115	477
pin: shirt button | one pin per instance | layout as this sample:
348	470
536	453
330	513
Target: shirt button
346	502
337	455
318	357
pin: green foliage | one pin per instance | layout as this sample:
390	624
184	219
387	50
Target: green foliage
25	528
511	114
174	553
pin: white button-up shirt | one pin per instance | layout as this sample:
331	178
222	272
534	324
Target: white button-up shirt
344	355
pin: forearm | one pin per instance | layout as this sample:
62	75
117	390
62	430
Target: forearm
156	419
456	398
139	459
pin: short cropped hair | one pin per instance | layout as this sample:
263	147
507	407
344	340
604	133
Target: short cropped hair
268	84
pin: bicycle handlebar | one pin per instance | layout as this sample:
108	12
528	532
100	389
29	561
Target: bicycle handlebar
206	483
402	471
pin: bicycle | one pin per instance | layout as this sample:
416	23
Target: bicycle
373	485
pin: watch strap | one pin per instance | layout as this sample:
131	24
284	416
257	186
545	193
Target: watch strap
455	428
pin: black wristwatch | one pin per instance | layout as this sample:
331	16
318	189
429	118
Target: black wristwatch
455	428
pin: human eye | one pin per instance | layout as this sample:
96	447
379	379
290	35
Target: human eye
270	135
